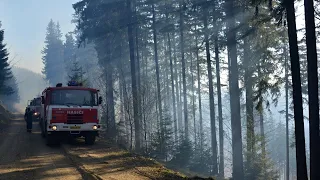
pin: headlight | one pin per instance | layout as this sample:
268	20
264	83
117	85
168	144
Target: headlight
35	113
94	127
54	128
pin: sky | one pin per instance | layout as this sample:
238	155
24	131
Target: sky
25	22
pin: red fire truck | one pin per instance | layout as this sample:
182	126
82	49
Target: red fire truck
70	111
35	106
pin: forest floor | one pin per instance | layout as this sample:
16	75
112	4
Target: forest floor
25	156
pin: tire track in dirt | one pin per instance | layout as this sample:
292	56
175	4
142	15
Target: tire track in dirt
86	174
25	156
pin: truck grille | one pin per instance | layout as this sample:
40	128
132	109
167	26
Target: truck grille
75	119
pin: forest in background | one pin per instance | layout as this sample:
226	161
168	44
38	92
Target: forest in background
9	91
195	84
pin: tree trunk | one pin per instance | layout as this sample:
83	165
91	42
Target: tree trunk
193	98
211	97
180	99
248	81
263	141
178	94
121	115
312	90
138	76
199	97
133	79
157	71
287	112
185	102
110	101
172	92
179	110
221	136
297	96
237	156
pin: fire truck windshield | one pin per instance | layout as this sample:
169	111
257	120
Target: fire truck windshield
74	97
38	102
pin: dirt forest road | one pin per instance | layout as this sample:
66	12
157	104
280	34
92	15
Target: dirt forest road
25	156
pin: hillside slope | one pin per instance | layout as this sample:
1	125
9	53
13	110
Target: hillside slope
30	85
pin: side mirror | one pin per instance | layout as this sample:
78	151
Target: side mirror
100	100
42	99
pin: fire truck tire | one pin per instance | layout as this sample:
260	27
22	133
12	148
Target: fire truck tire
90	139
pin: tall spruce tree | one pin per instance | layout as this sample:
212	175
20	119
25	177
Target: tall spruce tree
5	70
69	51
52	54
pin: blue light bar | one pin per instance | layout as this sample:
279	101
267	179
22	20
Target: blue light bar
74	83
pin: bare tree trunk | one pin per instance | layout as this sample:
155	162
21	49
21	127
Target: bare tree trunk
297	96
181	101
193	97
185	102
248	81
172	91
122	118
199	97
237	156
110	100
166	79
313	89
133	79
138	76
178	90
263	141
211	96
157	72
221	136
287	112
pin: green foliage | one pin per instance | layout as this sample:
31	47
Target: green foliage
5	70
162	140
77	74
69	52
53	54
182	153
103	26
201	161
262	166
10	100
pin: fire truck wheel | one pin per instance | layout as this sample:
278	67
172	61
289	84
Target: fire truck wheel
90	139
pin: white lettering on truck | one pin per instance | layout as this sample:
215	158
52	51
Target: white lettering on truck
74	112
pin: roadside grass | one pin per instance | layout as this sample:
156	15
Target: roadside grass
147	166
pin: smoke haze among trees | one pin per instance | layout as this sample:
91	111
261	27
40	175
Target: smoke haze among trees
208	87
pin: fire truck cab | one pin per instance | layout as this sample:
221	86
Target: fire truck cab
70	111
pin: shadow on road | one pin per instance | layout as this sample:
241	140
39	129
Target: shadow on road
25	155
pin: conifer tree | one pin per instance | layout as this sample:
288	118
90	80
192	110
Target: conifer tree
76	73
5	70
53	54
69	52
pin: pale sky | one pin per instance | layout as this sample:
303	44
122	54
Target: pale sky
25	23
